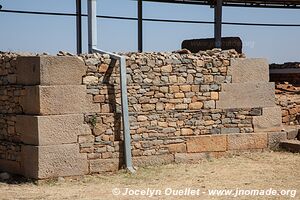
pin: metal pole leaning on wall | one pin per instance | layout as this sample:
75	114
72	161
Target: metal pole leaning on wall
92	29
218	23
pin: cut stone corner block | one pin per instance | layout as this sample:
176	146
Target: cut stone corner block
245	70
242	141
44	162
246	95
207	143
52	129
56	100
270	121
50	70
275	138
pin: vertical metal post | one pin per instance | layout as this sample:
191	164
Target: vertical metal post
92	34
79	26
125	115
218	23
92	25
140	25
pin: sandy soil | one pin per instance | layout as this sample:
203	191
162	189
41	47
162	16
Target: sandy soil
276	170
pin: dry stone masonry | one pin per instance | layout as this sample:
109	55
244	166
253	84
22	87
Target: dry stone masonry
61	115
287	97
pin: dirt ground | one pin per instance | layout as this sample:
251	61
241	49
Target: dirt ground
259	171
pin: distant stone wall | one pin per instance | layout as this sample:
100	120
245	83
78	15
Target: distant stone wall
288	98
287	72
287	79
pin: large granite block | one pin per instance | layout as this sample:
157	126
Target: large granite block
50	70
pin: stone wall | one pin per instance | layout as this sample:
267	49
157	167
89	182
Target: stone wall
10	93
42	113
61	115
287	72
287	79
175	102
288	98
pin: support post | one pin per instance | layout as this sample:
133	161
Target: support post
79	26
218	23
92	25
125	115
92	28
140	25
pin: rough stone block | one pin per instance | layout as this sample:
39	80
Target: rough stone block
190	157
207	143
246	95
63	99
166	69
245	141
10	166
187	131
269	121
274	139
42	162
50	70
292	132
245	70
104	165
195	106
51	130
214	95
177	148
229	130
153	160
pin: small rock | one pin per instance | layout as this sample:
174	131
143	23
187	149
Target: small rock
4	176
183	51
61	179
166	69
90	80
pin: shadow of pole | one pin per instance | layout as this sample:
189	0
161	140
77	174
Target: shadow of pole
109	83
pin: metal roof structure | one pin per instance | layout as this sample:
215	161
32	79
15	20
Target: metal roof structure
217	5
239	3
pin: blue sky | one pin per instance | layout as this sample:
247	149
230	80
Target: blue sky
20	32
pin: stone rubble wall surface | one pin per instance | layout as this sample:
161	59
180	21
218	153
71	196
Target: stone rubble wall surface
174	104
288	98
10	93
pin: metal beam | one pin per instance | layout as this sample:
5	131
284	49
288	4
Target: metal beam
218	23
92	28
92	25
79	26
258	4
140	25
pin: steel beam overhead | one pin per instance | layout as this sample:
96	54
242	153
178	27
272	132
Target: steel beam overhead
79	26
218	24
292	4
140	26
92	25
